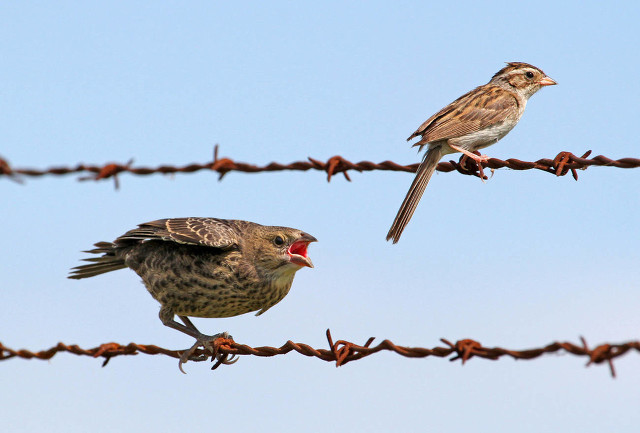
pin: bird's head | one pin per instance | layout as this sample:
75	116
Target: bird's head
524	78
281	250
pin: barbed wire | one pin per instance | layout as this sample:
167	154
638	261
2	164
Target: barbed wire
560	165
340	352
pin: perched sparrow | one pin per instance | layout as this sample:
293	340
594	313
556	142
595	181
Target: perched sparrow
206	267
473	121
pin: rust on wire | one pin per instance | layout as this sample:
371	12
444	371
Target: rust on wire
340	352
560	165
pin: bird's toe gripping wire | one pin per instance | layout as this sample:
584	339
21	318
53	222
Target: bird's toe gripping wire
210	344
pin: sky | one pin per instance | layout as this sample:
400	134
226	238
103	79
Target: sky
519	261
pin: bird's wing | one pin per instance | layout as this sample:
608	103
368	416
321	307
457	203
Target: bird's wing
210	232
473	111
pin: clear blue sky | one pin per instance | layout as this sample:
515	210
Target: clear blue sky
519	261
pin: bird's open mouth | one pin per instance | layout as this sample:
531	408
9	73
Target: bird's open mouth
298	252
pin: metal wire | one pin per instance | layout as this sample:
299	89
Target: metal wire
341	352
562	164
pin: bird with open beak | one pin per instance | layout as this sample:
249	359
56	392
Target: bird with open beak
206	267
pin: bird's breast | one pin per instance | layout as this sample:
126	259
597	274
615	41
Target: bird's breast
484	137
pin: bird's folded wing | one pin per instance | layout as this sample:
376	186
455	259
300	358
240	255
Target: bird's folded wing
471	112
211	232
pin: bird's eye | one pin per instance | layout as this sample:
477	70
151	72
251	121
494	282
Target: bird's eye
529	74
278	241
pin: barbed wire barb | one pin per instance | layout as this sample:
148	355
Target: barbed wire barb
563	163
341	351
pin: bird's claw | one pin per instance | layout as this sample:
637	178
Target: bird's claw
482	159
207	343
479	160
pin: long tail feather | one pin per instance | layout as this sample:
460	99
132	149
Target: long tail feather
424	173
106	263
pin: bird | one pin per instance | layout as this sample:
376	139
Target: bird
205	267
474	121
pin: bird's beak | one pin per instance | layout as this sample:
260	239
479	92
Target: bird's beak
547	81
298	251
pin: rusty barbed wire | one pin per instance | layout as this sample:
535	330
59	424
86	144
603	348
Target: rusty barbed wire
560	165
341	352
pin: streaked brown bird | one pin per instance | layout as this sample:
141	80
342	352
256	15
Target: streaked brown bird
206	267
472	122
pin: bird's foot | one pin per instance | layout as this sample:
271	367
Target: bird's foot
480	159
476	157
207	343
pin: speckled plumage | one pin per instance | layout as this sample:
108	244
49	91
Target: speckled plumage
206	267
472	122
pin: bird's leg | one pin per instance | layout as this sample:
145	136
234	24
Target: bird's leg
202	340
479	159
206	341
189	325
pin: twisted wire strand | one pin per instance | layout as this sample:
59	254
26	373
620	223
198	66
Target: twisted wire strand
560	165
341	351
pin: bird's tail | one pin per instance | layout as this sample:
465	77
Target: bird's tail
424	173
106	263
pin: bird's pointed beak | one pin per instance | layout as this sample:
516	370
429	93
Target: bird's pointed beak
547	81
298	250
